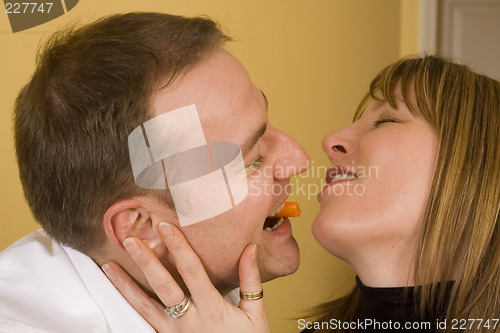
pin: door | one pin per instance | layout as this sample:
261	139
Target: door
466	30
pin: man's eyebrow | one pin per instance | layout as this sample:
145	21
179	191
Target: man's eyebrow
249	145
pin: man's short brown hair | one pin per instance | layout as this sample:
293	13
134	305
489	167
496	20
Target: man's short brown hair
91	88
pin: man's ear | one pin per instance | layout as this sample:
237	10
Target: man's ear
131	217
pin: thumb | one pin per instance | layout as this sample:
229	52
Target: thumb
250	283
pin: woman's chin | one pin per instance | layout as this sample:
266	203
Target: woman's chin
337	238
324	231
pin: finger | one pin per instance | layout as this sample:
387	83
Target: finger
148	308
187	262
157	275
250	279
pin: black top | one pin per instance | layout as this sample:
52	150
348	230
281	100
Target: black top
390	310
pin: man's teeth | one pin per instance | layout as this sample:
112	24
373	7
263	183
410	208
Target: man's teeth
277	210
342	177
280	222
271	219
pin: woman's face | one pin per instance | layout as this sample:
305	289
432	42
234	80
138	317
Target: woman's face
378	185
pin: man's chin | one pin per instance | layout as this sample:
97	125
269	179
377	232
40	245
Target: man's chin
270	268
278	267
284	272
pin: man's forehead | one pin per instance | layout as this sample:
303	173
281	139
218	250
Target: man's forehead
230	107
216	93
243	127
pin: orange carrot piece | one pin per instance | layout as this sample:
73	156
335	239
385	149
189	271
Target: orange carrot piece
291	209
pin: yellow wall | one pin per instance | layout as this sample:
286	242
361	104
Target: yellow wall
314	60
409	27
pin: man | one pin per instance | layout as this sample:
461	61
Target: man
92	87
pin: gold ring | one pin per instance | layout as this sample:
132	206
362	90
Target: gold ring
252	296
178	310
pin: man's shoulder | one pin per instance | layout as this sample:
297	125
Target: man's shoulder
38	240
29	255
37	281
54	288
34	254
14	327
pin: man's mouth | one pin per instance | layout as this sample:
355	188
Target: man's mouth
272	223
280	215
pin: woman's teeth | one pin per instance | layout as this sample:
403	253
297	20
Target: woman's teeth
342	177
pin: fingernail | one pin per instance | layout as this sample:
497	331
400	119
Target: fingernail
110	272
254	252
131	246
166	230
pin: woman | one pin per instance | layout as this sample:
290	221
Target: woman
423	159
427	235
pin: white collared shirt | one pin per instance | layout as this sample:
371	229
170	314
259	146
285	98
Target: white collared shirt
46	287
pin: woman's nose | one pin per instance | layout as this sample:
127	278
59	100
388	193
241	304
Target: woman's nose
339	143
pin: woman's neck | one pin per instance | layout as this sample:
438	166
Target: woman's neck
386	268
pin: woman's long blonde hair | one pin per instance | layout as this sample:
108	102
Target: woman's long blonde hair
460	233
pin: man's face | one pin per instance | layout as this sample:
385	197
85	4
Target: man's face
232	109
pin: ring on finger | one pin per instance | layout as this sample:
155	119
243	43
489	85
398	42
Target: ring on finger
252	296
178	310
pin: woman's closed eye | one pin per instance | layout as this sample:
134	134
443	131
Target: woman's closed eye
381	121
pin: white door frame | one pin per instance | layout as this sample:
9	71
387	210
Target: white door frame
428	39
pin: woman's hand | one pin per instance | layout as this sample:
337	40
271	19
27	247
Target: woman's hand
208	311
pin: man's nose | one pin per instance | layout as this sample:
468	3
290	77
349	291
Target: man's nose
340	143
291	159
